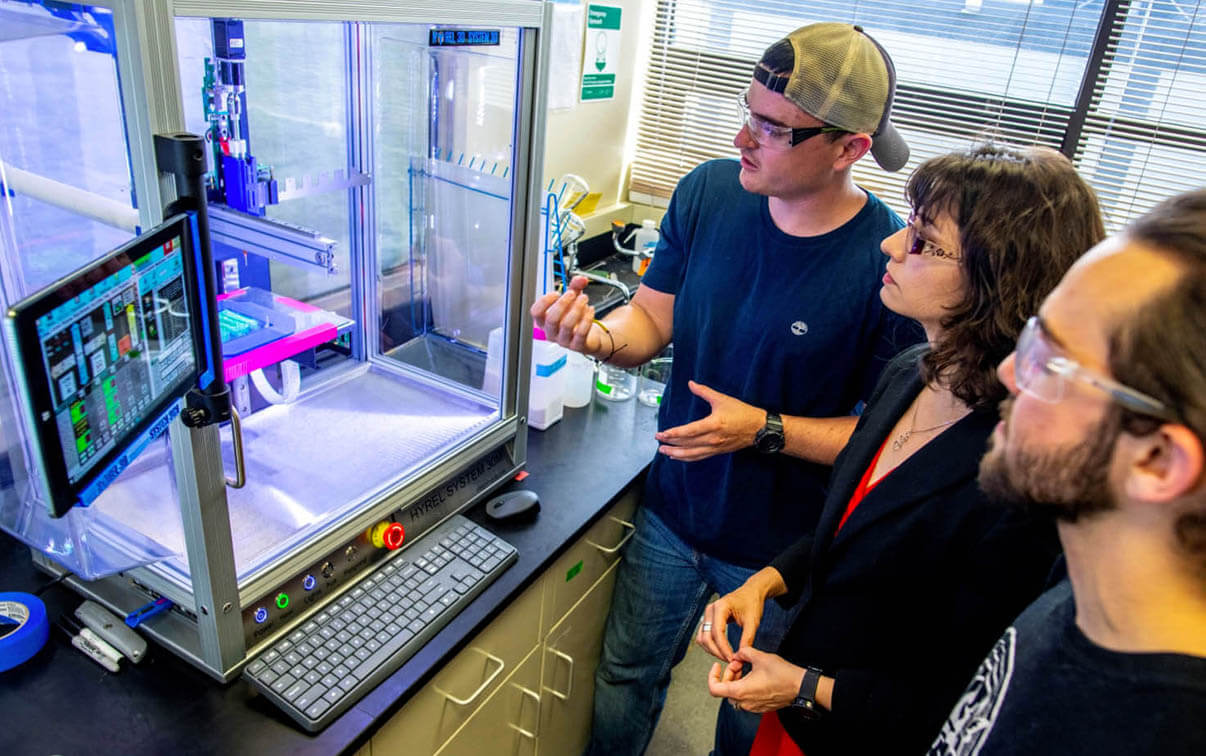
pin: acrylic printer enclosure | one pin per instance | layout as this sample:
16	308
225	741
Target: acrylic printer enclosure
371	176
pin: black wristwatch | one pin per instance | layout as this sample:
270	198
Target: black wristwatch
805	701
769	439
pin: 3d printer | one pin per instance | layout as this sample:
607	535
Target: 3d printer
372	181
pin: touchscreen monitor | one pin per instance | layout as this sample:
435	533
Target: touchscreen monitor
105	355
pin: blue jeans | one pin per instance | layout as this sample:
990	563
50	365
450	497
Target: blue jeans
662	586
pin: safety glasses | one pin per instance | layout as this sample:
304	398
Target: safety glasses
1040	371
773	135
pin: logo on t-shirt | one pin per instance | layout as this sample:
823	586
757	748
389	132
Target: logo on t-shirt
971	721
799	328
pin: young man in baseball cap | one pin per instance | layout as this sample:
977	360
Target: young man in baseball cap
767	277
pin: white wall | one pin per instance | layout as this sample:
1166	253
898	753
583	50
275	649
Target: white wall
593	139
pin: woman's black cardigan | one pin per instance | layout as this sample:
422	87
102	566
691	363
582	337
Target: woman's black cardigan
901	606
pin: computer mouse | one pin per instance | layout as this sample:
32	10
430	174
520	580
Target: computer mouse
513	505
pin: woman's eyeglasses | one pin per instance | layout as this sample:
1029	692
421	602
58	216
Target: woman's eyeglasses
915	245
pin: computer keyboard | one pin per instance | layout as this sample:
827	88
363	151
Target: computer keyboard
346	649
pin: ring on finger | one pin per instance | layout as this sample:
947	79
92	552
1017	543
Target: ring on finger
707	627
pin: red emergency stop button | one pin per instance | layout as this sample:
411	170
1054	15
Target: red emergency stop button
388	535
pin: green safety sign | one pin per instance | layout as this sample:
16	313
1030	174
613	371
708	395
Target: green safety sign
601	52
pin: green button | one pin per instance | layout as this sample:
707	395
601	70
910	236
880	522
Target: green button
282	600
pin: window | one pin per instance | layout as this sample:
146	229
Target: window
1111	84
1143	136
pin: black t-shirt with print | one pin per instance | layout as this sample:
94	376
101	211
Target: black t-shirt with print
1045	688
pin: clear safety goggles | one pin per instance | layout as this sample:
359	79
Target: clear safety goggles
1040	371
769	134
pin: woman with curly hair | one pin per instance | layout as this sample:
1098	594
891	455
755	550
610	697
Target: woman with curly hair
912	573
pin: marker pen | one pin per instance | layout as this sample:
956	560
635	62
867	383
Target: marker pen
90	644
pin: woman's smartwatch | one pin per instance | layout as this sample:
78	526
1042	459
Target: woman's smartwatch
805	701
769	438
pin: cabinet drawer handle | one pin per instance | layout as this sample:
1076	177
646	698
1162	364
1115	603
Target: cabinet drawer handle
535	697
569	688
627	525
485	684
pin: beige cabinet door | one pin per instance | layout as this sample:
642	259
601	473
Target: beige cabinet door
508	722
581	566
560	606
571	653
446	703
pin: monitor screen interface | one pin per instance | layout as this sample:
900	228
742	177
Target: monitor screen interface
114	350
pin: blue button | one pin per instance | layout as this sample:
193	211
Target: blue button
308	582
261	615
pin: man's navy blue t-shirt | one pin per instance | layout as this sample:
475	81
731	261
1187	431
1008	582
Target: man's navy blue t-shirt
787	324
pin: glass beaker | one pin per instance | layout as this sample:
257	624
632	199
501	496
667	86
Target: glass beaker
615	384
655	374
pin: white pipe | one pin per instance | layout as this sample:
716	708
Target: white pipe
94	206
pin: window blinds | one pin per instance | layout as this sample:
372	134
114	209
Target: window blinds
968	70
1144	133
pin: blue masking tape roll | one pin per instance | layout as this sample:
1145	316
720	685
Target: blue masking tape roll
28	613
